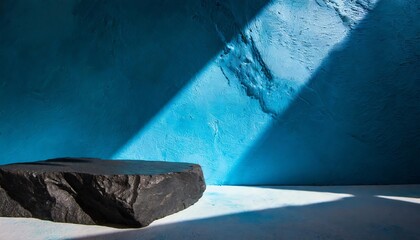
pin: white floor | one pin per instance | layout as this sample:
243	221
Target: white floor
231	212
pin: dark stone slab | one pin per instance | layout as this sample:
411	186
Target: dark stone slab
93	191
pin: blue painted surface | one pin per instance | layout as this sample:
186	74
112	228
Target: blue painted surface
80	78
257	92
357	120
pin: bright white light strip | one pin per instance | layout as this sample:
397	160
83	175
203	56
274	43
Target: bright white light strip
403	199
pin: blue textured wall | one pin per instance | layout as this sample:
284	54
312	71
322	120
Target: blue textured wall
257	92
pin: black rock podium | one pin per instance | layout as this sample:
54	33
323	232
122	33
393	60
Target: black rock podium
119	193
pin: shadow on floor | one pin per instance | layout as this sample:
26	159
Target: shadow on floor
359	217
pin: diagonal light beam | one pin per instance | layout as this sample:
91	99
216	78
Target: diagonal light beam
226	108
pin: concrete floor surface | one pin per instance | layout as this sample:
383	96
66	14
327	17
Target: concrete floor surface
237	212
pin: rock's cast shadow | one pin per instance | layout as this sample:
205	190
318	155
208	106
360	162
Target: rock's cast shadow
362	216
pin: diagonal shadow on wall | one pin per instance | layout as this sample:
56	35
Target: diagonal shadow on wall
357	120
80	78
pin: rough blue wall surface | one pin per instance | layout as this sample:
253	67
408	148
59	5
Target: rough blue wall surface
257	92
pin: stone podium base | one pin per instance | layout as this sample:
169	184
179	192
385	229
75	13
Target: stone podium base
94	191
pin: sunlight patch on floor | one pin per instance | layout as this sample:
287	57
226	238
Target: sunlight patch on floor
224	200
404	199
240	212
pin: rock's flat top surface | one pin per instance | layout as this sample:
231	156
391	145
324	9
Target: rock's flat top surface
99	166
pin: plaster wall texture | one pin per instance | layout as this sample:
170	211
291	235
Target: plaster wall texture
256	92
